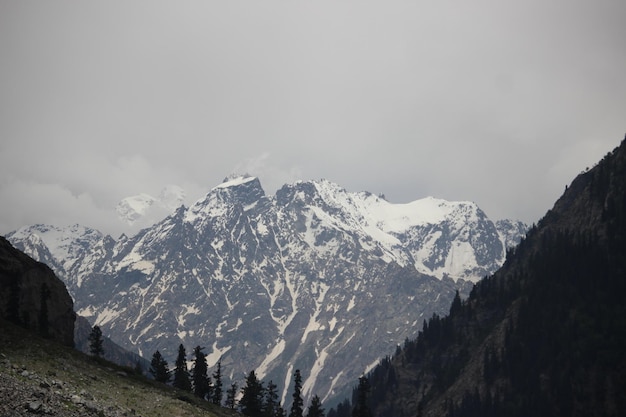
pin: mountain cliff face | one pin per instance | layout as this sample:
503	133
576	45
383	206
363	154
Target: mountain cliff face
33	297
543	336
314	278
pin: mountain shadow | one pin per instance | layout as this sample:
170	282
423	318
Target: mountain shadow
543	336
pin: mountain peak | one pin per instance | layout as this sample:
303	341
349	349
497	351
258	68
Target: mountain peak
143	210
243	189
235	190
234	180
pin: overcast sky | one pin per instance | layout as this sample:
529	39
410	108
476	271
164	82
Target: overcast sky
497	102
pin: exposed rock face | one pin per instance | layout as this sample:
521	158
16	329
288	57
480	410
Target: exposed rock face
31	295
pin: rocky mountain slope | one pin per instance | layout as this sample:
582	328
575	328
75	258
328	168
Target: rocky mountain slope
41	377
543	336
314	278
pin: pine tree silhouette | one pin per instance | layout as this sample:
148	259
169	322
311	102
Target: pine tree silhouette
298	404
181	374
217	394
95	342
159	368
315	409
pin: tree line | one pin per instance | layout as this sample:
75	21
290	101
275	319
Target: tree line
257	399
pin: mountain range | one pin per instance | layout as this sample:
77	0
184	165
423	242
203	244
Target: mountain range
313	278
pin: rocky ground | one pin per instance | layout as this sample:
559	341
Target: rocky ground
41	378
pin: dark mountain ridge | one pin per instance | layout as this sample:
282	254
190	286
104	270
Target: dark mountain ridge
33	297
544	336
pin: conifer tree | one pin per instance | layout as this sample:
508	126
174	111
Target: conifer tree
95	342
201	382
271	400
251	402
216	395
362	408
315	409
343	409
298	404
181	374
231	394
159	368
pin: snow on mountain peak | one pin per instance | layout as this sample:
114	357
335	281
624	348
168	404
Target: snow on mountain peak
376	211
398	217
438	237
132	208
235	180
235	190
65	244
144	210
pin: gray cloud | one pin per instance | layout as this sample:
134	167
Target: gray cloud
487	101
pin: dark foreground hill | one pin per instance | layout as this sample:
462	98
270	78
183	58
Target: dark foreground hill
41	377
33	297
543	336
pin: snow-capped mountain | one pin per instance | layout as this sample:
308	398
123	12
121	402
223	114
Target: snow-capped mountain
73	252
143	210
130	209
313	278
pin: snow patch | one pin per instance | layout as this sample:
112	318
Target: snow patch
351	304
313	324
331	323
288	376
278	348
105	316
233	182
216	354
318	366
371	366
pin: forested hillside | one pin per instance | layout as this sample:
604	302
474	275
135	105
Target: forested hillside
543	336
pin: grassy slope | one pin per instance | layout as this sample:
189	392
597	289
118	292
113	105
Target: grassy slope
106	388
